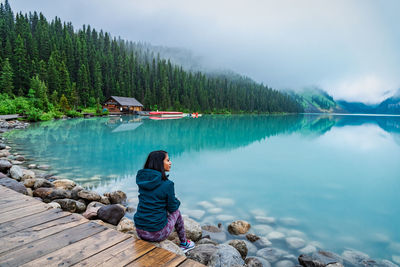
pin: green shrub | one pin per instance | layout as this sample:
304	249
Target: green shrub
46	116
7	105
22	105
33	114
73	114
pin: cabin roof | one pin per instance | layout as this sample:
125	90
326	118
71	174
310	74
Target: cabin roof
126	101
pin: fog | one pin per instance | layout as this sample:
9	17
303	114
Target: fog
350	48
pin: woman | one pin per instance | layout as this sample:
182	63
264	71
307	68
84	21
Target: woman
157	212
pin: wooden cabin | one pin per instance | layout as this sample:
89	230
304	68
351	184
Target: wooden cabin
119	104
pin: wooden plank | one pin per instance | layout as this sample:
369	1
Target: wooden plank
20	238
120	254
15	204
156	257
175	261
49	244
80	250
29	221
190	263
19	213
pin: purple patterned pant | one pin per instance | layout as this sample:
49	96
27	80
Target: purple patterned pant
174	221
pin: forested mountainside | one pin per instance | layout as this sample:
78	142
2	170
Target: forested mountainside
49	59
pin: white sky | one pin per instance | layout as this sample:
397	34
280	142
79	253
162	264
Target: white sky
350	48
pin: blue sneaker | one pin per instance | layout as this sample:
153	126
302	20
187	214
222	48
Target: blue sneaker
188	245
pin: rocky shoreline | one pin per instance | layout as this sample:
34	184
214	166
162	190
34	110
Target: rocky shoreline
238	244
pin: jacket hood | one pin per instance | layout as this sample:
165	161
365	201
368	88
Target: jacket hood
148	179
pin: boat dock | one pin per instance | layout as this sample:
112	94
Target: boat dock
34	234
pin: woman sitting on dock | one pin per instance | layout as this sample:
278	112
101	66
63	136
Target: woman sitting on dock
157	212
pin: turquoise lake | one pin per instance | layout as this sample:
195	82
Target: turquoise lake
333	180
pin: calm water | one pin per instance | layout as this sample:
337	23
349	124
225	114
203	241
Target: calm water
334	179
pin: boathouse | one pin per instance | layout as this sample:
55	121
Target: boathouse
119	104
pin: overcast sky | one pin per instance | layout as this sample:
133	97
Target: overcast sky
350	48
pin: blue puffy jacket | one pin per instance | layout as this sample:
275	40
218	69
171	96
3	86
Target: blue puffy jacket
156	198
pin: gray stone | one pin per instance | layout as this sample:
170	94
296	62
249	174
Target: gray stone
262	229
49	194
29	182
89	195
2	146
32	166
251	248
285	263
5	165
30	192
116	197
211	228
170	246
320	259
16	172
95	204
43	167
196	214
263	242
308	249
20	158
202	253
64	184
206	241
75	191
71	205
239	227
271	254
214	233
225	255
27	174
252	237
126	225
16	162
240	246
40	182
55	205
4	153
275	235
105	200
2	175
14	185
257	262
192	229
355	257
264	219
295	242
111	214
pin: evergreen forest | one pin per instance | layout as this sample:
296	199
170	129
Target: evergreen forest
48	67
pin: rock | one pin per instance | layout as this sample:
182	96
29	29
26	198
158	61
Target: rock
206	241
43	167
20	158
262	229
111	214
206	204
95	204
2	175
202	253
284	263
251	248
211	228
64	184
355	257
224	217
225	255
30	192
215	210
116	197
29	182
40	182
4	153
275	235
170	246
16	162
55	205
89	195
196	214
271	254
105	200
257	262
214	233
192	229
71	205
295	242
240	246
377	263
2	146
126	225
75	191
224	201
27	174
91	212
238	227
5	165
308	249
263	242
320	259
16	172
14	185
32	166
252	237
265	219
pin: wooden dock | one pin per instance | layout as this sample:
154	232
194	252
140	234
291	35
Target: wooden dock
9	117
33	234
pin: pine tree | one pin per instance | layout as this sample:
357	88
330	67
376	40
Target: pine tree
64	106
6	79
21	77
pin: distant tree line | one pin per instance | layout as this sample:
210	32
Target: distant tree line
82	68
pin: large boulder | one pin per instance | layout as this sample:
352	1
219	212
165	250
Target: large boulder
116	197
14	185
49	194
240	246
5	165
111	213
295	242
71	205
257	262
320	259
192	229
238	227
75	191
225	256
16	172
89	195
169	245
2	146
95	204
64	184
4	153
202	253
40	182
28	174
214	233
126	225
206	240
2	175
29	182
91	212
272	254
105	200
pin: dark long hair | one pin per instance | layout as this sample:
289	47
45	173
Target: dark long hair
155	161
